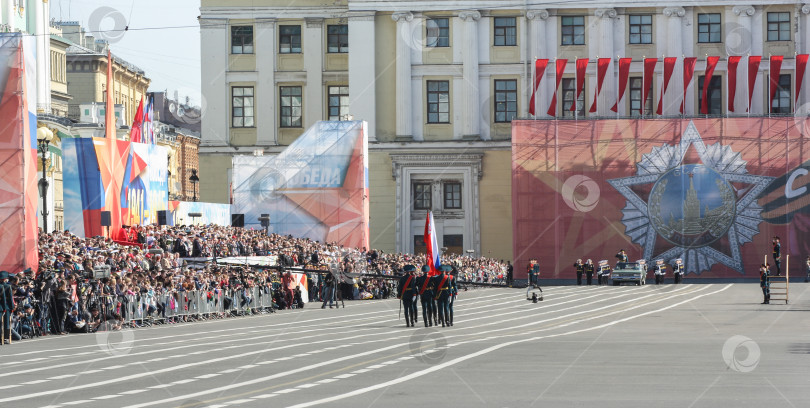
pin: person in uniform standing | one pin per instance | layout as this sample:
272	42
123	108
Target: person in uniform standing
777	255
7	307
453	291
328	290
660	271
807	265
580	268
510	273
4	323
425	289
589	271
621	256
677	270
407	293
443	295
765	284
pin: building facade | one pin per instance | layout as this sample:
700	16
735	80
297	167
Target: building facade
439	83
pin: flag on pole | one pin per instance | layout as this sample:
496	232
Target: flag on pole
109	114
148	133
433	252
137	124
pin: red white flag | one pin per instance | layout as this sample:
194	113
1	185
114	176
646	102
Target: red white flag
688	73
649	70
753	70
137	122
669	66
733	61
624	73
775	70
601	69
560	65
539	71
711	64
801	66
432	245
582	65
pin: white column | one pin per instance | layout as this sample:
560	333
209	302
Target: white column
313	64
362	72
404	104
538	49
266	113
607	97
472	104
9	12
674	48
42	31
215	91
743	32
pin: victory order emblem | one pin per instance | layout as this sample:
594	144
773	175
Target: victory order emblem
693	202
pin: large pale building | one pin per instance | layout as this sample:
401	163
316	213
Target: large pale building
439	83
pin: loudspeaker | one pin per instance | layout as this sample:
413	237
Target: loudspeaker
161	217
238	220
265	220
106	219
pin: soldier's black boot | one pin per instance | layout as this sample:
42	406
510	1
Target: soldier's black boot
768	299
451	318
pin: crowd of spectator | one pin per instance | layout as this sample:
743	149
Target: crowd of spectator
159	269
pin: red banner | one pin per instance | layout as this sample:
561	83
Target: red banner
775	70
624	73
649	70
560	65
801	66
539	71
733	61
753	69
669	66
711	64
602	67
582	65
688	73
709	191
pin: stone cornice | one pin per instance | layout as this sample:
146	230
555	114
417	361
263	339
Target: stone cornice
474	160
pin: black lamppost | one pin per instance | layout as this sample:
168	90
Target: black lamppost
44	137
194	180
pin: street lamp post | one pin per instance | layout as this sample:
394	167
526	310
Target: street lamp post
194	180
44	137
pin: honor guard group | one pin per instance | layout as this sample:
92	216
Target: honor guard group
436	293
602	271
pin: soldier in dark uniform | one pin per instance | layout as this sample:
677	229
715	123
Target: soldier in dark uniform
580	269
777	255
622	256
425	289
765	284
660	271
453	292
443	294
7	307
677	270
589	271
328	290
407	292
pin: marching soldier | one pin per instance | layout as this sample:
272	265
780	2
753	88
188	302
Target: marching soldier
425	289
580	269
443	294
6	307
765	284
407	294
589	271
777	255
677	270
660	271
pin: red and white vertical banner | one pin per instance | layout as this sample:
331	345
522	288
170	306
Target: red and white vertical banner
688	73
582	65
753	70
775	69
624	74
669	66
801	67
560	70
649	71
434	255
733	62
539	70
711	64
601	69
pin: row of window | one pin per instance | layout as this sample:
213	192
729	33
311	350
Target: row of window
291	97
572	32
423	195
714	100
289	39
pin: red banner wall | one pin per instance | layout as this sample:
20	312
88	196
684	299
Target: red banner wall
710	191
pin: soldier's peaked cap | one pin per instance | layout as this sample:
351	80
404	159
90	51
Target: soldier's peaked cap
409	268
